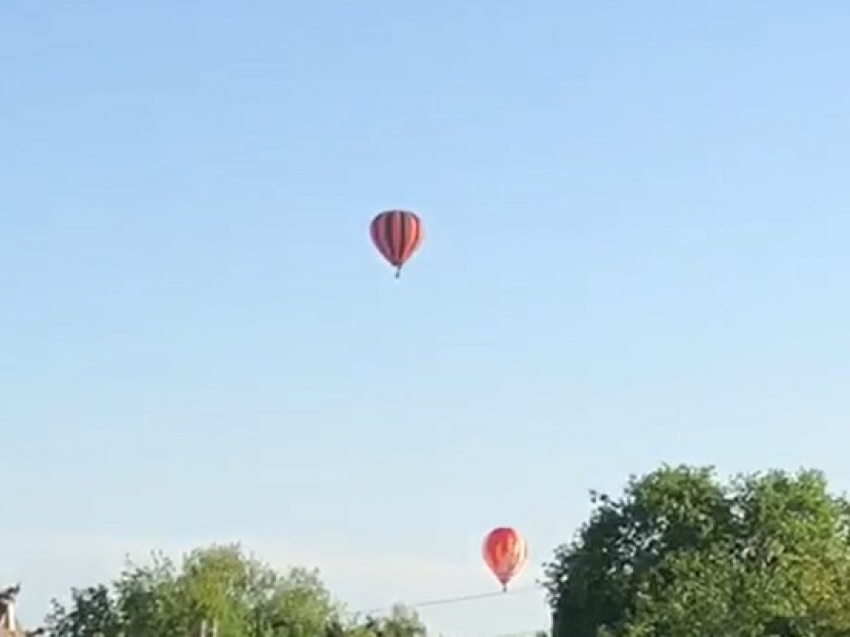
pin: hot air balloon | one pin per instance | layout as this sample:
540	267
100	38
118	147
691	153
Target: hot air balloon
396	234
505	553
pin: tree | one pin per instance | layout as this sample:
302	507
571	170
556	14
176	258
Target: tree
244	597
681	554
92	612
402	622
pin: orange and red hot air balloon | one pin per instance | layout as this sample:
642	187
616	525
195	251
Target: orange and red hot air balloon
505	552
397	234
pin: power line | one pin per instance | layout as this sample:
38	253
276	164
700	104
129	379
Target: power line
455	600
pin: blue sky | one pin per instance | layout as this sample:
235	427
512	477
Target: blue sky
636	252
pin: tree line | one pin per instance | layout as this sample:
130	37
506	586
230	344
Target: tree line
217	591
678	553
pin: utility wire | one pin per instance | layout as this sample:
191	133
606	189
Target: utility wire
454	600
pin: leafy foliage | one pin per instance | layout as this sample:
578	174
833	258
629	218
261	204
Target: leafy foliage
680	554
244	597
92	611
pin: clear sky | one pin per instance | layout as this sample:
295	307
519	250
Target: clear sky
637	225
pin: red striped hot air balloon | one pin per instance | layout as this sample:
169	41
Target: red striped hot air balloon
397	234
505	553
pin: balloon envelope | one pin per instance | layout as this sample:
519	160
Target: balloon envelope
397	234
505	552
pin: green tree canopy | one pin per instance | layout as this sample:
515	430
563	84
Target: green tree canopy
681	554
244	597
